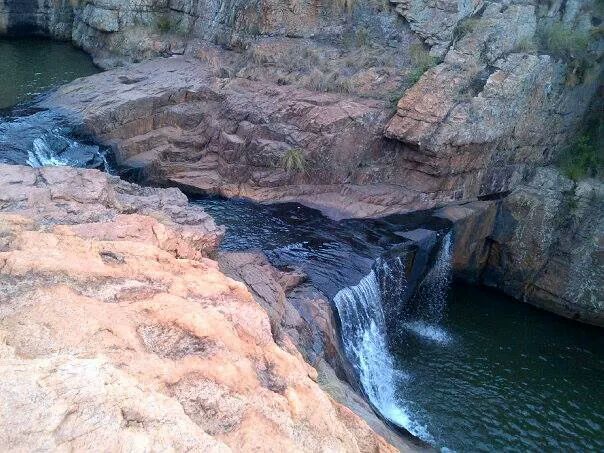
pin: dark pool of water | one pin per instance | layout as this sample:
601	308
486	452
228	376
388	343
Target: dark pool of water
29	136
333	254
30	67
493	375
499	375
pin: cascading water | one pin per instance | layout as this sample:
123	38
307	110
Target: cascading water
366	344
45	139
365	332
432	291
431	298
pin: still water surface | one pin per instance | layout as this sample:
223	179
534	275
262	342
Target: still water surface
29	67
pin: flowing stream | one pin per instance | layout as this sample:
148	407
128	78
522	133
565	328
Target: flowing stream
464	368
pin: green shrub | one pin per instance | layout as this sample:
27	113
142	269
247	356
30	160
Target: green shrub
570	45
293	161
421	61
582	159
327	82
526	45
362	37
347	5
563	42
394	97
163	24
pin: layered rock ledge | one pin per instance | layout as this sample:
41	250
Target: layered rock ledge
116	330
295	104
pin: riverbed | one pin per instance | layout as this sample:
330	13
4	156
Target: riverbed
469	370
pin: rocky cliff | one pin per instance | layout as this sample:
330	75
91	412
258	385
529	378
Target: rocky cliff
543	244
293	101
117	330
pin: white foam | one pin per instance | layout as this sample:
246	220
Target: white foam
430	332
365	342
42	155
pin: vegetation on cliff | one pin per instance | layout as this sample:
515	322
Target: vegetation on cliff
584	156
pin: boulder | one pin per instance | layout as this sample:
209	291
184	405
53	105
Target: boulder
542	244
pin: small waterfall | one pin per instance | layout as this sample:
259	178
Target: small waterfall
432	291
54	149
365	326
44	139
365	341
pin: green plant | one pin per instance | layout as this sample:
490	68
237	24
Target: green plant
582	159
572	46
327	82
293	161
347	5
563	42
394	97
526	45
421	61
362	37
163	24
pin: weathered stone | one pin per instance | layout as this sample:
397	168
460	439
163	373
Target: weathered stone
90	203
542	244
108	339
490	111
102	19
435	21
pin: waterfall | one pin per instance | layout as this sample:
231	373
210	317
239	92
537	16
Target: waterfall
45	139
432	291
54	149
365	342
365	333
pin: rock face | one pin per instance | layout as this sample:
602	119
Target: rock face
122	334
104	207
246	112
178	123
244	117
542	244
117	32
494	108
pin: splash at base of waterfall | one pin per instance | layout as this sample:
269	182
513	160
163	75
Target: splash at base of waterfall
365	342
429	332
365	328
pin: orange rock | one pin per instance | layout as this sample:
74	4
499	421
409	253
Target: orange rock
110	339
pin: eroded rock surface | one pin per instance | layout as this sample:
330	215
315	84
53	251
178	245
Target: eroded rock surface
542	244
498	104
104	207
179	123
110	337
